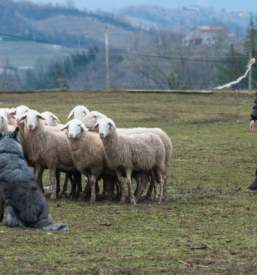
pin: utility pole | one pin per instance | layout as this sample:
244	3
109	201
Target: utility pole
234	61
107	59
250	57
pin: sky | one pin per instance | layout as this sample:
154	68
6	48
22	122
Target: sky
109	5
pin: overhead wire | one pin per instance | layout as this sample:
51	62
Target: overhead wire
121	52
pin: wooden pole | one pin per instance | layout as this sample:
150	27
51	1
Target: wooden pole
250	57
107	59
234	61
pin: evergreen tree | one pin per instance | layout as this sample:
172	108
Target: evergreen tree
57	79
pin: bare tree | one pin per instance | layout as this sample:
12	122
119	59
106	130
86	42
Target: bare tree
172	63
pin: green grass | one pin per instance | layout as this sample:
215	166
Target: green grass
208	206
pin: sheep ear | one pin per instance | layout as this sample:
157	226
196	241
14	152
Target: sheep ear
21	118
95	126
5	118
112	124
40	117
70	115
65	127
56	118
83	127
12	114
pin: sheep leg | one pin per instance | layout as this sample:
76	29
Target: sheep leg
65	184
92	180
105	188
52	172
132	197
159	178
144	181
87	188
121	187
109	185
138	189
58	189
165	186
1	208
149	192
38	173
118	192
77	182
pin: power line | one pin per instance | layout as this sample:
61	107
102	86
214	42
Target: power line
121	52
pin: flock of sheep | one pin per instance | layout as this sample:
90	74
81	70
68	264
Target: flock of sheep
91	144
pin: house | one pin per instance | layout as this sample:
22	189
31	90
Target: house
208	35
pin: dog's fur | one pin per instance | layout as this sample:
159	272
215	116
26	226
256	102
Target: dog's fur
25	204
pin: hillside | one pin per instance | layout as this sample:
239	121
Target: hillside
155	15
61	25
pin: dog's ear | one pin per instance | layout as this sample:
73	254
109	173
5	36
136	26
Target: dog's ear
1	135
14	134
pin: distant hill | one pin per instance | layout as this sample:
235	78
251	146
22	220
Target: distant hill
149	16
60	25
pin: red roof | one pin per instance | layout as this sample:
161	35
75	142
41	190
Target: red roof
210	28
193	37
231	35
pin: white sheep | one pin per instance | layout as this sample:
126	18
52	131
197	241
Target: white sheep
87	153
50	119
139	152
78	112
4	127
46	148
18	111
91	119
11	120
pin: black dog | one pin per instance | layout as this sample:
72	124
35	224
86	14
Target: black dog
25	204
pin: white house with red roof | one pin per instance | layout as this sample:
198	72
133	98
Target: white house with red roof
208	35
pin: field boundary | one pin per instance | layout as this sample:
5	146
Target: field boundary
171	91
35	91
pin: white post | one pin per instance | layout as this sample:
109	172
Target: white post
250	57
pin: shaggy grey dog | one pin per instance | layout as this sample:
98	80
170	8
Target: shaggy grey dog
25	204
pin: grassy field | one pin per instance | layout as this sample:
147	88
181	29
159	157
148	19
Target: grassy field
23	53
207	226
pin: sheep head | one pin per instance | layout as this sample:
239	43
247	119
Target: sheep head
91	119
78	112
74	128
31	119
105	126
